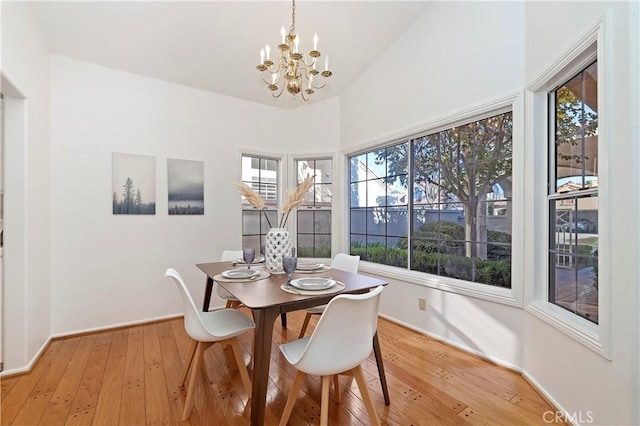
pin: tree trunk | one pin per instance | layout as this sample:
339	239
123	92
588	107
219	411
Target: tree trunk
470	209
481	228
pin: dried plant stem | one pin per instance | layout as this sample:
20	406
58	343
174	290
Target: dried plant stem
293	199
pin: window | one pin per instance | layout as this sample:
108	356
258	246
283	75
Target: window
455	221
314	215
573	195
261	174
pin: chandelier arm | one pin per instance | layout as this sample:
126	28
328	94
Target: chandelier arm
279	93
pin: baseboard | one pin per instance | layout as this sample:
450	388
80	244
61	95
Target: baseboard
456	345
534	384
27	369
547	397
115	326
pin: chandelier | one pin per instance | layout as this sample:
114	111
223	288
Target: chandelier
293	69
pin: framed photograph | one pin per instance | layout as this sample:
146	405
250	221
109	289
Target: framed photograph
134	184
185	187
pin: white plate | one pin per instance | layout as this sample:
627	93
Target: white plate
240	273
309	266
316	283
258	260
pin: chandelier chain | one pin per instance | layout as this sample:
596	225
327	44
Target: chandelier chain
293	17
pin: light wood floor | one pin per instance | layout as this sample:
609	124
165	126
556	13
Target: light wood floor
129	377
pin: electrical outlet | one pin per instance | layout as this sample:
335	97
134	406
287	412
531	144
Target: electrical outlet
422	304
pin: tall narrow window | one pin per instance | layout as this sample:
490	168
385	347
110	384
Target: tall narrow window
261	174
573	195
314	215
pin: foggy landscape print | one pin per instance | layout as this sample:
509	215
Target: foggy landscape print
185	187
134	184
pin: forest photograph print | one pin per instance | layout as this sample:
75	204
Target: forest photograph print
134	184
185	180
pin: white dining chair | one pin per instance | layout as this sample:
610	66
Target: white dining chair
231	301
205	329
343	262
340	343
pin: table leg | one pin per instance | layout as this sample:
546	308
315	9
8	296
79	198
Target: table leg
207	294
283	320
263	334
383	378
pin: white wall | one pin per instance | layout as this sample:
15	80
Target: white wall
456	55
447	61
109	269
461	54
560	365
27	235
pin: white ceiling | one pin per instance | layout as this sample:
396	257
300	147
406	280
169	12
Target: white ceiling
215	45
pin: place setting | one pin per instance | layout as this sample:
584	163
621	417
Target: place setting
244	274
307	286
307	267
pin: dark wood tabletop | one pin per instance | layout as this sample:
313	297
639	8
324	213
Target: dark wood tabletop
267	301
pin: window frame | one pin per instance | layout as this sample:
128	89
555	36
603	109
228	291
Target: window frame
305	207
587	49
509	296
270	207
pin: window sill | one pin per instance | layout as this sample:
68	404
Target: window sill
506	296
580	329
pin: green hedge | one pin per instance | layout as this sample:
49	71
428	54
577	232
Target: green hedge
490	272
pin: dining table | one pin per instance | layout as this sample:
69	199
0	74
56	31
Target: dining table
267	295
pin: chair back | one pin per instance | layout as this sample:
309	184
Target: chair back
192	322
345	262
343	337
229	255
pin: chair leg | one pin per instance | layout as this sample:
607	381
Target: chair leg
304	325
324	401
366	397
336	388
229	304
244	374
188	403
293	395
187	362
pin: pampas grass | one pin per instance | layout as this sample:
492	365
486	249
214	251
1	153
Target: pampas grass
292	200
252	196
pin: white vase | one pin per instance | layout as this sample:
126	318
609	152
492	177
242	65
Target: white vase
277	245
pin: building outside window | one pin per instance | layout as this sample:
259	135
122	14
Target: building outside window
261	174
573	195
439	203
314	215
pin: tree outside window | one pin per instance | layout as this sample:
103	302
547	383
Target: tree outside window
456	219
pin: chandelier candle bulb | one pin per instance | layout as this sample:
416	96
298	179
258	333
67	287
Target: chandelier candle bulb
315	41
326	63
283	33
267	49
261	56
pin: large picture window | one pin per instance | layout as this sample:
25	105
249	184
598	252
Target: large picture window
261	174
439	203
314	215
573	195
